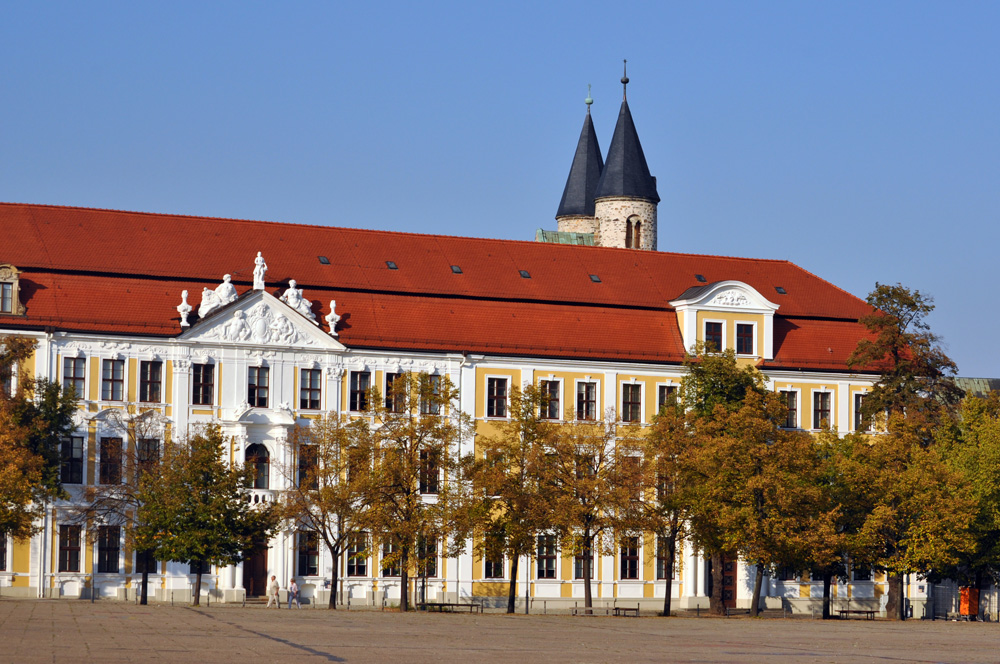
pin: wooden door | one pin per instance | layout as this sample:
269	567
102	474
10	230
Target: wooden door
255	572
729	582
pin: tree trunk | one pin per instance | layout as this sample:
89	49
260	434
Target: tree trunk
335	554
143	586
715	603
827	581
512	590
404	580
669	573
758	580
894	609
588	598
197	588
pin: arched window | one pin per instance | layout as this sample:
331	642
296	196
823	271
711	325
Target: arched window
637	235
628	233
257	456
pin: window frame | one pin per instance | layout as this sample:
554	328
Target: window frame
722	334
357	557
640	415
71	465
585	401
497	403
74	379
310	389
69	548
357	396
552	410
546	557
4	547
794	415
857	403
307	553
661	560
494	568
109	466
629	550
817	421
151	381
109	382
395	404
429	473
431	407
579	559
664	392
200	387
109	549
260	475
145	560
389	548
258	392
753	337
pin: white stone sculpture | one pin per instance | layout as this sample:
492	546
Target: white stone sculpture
731	298
293	298
209	303
225	292
260	325
259	269
332	318
237	329
184	309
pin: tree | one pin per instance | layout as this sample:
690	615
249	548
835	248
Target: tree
33	421
915	392
593	476
118	504
328	484
507	478
196	511
418	427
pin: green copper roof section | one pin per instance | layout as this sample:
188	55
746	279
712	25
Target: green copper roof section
978	386
564	237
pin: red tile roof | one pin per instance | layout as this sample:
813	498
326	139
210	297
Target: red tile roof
112	271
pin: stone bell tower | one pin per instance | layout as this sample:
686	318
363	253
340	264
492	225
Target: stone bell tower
625	200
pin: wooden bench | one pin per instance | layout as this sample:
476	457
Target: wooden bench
593	611
868	613
441	607
627	611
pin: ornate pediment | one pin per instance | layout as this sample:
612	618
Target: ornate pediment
260	319
732	301
730	298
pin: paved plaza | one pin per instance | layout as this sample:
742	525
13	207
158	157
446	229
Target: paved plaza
34	631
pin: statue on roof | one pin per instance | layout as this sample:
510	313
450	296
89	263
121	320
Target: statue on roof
293	298
226	292
332	318
209	302
184	309
259	269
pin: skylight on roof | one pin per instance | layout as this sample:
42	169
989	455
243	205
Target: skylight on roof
701	278
596	279
391	265
781	291
324	260
456	269
525	274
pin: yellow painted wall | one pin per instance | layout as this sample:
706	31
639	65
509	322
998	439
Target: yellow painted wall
514	380
132	380
731	318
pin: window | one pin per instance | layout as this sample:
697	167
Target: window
72	460
69	548
148	453
631	402
787	574
630	558
427	561
108	548
73	368
429	471
862	573
821	410
744	339
546	557
395	399
308	458
360	383
9	300
496	397
586	401
199	567
309	390
662	558
111	461
258	457
357	560
204	384
430	397
6	298
308	553
628	467
713	338
3	552
145	562
860	422
578	561
7	379
493	567
112	380
666	395
550	393
389	569
792	399
357	463
257	387
150	380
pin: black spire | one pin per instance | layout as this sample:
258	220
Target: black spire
578	196
625	172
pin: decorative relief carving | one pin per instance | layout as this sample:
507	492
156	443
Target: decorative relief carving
182	365
730	298
293	298
260	325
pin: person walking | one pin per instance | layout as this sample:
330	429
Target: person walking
272	593
293	594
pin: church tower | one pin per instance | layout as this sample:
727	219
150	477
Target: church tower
625	199
576	209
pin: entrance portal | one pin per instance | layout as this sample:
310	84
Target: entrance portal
255	571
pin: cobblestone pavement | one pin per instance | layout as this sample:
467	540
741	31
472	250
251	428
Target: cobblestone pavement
77	631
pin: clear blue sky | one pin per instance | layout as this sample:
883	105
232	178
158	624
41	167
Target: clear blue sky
860	140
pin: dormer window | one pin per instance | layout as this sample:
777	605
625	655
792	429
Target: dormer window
9	297
706	315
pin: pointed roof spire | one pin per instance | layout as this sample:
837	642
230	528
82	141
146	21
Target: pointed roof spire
584	174
626	172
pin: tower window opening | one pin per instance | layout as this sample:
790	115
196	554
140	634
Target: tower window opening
637	235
